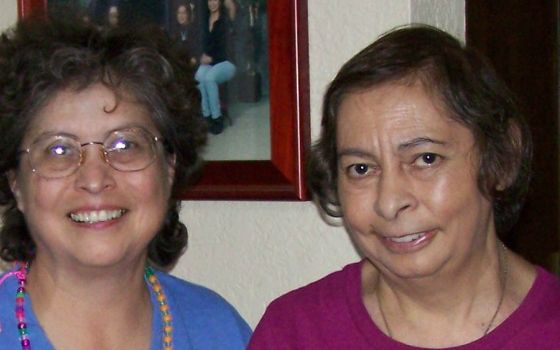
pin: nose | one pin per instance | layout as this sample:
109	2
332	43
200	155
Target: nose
395	195
94	175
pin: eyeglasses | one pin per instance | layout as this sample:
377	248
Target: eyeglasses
127	150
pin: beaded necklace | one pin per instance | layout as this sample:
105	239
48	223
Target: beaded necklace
149	275
163	308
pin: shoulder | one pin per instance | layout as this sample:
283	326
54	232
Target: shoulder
313	314
191	295
8	286
7	291
536	322
324	292
222	23
203	313
545	294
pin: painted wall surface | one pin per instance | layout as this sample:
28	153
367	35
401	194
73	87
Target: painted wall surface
252	252
448	15
8	13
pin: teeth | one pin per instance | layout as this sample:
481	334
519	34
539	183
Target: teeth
407	238
92	217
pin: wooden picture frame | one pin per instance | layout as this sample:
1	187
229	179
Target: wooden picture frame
281	177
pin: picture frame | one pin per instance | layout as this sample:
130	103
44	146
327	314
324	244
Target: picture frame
281	177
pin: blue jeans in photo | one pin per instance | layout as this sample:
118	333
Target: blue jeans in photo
208	78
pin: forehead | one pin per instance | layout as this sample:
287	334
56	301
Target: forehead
89	112
394	112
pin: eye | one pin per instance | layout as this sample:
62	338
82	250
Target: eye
427	159
358	170
58	150
121	145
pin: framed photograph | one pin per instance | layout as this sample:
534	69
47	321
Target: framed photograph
258	154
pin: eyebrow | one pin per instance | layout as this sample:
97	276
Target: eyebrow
356	152
419	141
52	133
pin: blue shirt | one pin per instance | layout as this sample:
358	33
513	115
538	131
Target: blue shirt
201	318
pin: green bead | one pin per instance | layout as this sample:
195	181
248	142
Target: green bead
148	271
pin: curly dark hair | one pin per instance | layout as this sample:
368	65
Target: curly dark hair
42	56
469	89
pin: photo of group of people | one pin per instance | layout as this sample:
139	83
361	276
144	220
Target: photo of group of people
227	42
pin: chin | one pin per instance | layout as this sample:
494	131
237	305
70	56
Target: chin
411	267
99	257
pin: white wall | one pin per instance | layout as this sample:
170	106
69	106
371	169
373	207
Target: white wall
251	252
8	13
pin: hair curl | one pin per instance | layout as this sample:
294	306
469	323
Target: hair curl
40	57
470	91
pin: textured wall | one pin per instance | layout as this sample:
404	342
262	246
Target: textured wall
251	252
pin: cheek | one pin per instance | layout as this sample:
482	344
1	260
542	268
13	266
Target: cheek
453	188
456	202
37	193
154	185
356	205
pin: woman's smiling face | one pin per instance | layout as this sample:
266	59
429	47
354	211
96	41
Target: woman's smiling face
407	181
128	207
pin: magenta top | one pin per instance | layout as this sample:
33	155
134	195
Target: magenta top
330	314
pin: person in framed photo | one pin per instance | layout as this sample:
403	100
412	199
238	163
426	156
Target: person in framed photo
216	66
185	32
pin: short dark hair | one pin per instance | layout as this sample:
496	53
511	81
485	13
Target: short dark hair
468	88
40	57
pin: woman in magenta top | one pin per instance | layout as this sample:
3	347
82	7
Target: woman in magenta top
426	159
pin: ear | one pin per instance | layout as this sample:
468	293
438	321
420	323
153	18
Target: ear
14	187
512	168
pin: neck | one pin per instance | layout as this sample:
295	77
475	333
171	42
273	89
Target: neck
455	301
99	301
85	282
232	12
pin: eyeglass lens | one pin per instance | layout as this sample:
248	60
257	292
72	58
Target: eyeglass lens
125	150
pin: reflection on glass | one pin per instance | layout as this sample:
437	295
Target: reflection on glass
227	41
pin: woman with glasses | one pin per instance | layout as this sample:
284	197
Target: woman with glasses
99	131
